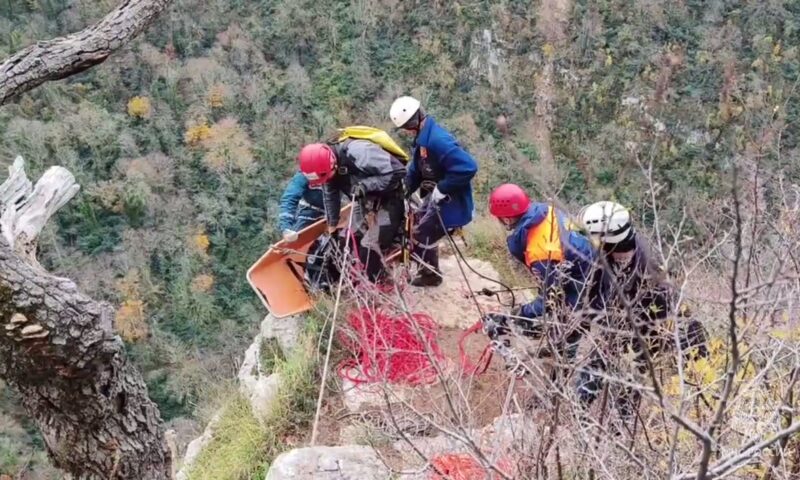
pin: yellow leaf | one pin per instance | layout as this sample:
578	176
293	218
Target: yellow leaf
216	96
139	107
197	133
228	146
200	242
776	51
716	345
548	50
609	60
787	334
702	371
130	320
673	387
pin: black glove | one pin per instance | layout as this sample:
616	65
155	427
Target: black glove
358	191
495	324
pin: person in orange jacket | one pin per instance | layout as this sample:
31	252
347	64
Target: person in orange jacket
562	259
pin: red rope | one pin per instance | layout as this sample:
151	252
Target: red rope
390	348
463	466
483	361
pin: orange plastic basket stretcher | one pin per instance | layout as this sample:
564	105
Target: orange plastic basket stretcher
277	277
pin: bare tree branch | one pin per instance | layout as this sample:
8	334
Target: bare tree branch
733	365
61	57
738	460
59	349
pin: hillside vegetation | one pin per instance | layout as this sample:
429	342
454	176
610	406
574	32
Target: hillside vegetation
182	141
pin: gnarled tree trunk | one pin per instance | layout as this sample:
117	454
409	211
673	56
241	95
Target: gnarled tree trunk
61	57
58	348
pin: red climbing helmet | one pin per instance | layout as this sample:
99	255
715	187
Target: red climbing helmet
508	201
317	162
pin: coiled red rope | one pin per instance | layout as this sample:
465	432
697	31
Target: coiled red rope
484	360
394	349
463	466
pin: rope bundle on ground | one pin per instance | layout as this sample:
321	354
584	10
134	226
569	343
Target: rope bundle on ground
463	466
395	349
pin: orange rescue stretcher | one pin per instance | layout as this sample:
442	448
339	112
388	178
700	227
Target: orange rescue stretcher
277	277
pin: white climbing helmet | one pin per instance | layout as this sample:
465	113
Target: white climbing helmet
402	110
610	222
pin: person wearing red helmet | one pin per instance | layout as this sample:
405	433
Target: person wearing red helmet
562	259
373	179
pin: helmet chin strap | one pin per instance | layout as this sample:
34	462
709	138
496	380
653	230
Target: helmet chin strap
414	124
628	244
509	226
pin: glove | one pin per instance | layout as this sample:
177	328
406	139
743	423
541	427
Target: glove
358	191
289	235
495	324
437	196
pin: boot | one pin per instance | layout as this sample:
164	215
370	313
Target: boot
427	278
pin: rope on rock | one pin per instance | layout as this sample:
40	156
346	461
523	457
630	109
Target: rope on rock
463	466
390	348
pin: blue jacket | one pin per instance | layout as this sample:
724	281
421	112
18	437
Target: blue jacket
572	278
440	159
301	205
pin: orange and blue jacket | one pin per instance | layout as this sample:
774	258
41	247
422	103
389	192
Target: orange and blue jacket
561	258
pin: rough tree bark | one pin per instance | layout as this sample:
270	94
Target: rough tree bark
58	348
61	57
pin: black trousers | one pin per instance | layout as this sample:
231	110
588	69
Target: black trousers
428	230
379	222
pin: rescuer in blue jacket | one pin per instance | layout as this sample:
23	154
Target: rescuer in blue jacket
561	258
301	205
442	170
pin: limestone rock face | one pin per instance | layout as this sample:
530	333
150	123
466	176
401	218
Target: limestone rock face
285	330
350	462
256	382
